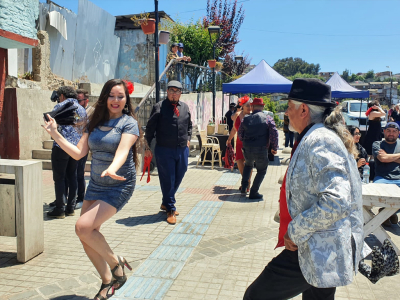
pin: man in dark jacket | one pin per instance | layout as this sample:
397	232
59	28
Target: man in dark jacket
170	122
228	115
257	131
64	166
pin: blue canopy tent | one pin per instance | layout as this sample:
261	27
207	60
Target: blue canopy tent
261	80
341	89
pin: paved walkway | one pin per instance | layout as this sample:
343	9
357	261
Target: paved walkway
221	243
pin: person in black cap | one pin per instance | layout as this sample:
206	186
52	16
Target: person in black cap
228	115
323	239
170	121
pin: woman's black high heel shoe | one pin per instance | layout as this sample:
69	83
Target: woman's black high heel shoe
120	280
104	286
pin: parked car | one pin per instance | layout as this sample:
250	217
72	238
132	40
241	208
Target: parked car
352	115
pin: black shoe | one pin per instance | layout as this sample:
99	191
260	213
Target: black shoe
52	204
56	213
69	212
255	196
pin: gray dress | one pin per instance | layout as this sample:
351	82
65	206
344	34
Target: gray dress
103	145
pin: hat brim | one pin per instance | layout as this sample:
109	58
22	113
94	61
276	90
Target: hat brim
324	104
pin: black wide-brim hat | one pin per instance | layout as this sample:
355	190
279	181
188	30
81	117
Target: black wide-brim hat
311	91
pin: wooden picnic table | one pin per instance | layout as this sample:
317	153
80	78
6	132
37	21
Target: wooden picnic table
380	195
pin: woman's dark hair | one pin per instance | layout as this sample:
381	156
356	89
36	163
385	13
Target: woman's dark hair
372	103
101	114
352	129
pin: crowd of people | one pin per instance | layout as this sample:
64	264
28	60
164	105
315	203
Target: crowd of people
321	222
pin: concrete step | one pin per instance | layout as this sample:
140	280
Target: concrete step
46	154
46	165
48	144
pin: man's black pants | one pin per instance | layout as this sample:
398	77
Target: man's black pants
81	177
282	279
64	167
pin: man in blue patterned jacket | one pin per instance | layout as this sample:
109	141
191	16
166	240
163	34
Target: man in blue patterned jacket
64	166
324	239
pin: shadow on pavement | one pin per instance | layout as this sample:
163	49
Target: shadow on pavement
141	220
70	297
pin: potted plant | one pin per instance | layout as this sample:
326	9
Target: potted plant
218	66
148	25
211	63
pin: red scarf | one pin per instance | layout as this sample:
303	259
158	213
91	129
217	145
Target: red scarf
284	216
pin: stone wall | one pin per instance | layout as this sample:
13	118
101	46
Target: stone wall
19	16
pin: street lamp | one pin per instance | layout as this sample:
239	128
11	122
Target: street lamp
214	30
391	85
238	59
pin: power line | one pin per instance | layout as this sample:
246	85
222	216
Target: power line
205	9
321	34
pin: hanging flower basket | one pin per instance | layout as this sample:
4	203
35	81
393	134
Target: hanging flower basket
148	26
211	63
163	37
218	66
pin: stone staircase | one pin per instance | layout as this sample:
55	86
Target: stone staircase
45	156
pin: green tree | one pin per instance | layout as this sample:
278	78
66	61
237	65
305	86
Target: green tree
290	66
300	75
370	75
345	75
353	77
271	106
197	45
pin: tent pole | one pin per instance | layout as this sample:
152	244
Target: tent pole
359	119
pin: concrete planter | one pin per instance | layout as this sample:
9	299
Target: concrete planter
163	37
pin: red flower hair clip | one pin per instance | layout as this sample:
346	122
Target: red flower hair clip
129	86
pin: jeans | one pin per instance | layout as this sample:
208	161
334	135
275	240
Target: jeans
80	170
258	155
282	279
172	164
379	179
289	138
64	168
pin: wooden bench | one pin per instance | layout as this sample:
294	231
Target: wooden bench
21	209
380	195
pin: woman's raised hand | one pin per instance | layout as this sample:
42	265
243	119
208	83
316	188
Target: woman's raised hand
50	126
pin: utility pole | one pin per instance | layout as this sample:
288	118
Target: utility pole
156	53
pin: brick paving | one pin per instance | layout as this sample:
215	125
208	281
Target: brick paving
232	246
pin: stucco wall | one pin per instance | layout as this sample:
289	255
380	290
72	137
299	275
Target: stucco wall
31	104
200	106
18	16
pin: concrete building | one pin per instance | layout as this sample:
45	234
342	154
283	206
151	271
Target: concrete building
17	30
137	51
383	75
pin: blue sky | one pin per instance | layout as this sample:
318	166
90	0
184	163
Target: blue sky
359	35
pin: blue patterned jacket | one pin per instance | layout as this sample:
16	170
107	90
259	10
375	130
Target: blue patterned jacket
324	197
71	133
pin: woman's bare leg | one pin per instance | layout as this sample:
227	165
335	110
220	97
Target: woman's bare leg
93	215
97	260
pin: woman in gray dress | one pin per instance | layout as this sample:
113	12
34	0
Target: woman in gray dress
112	136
